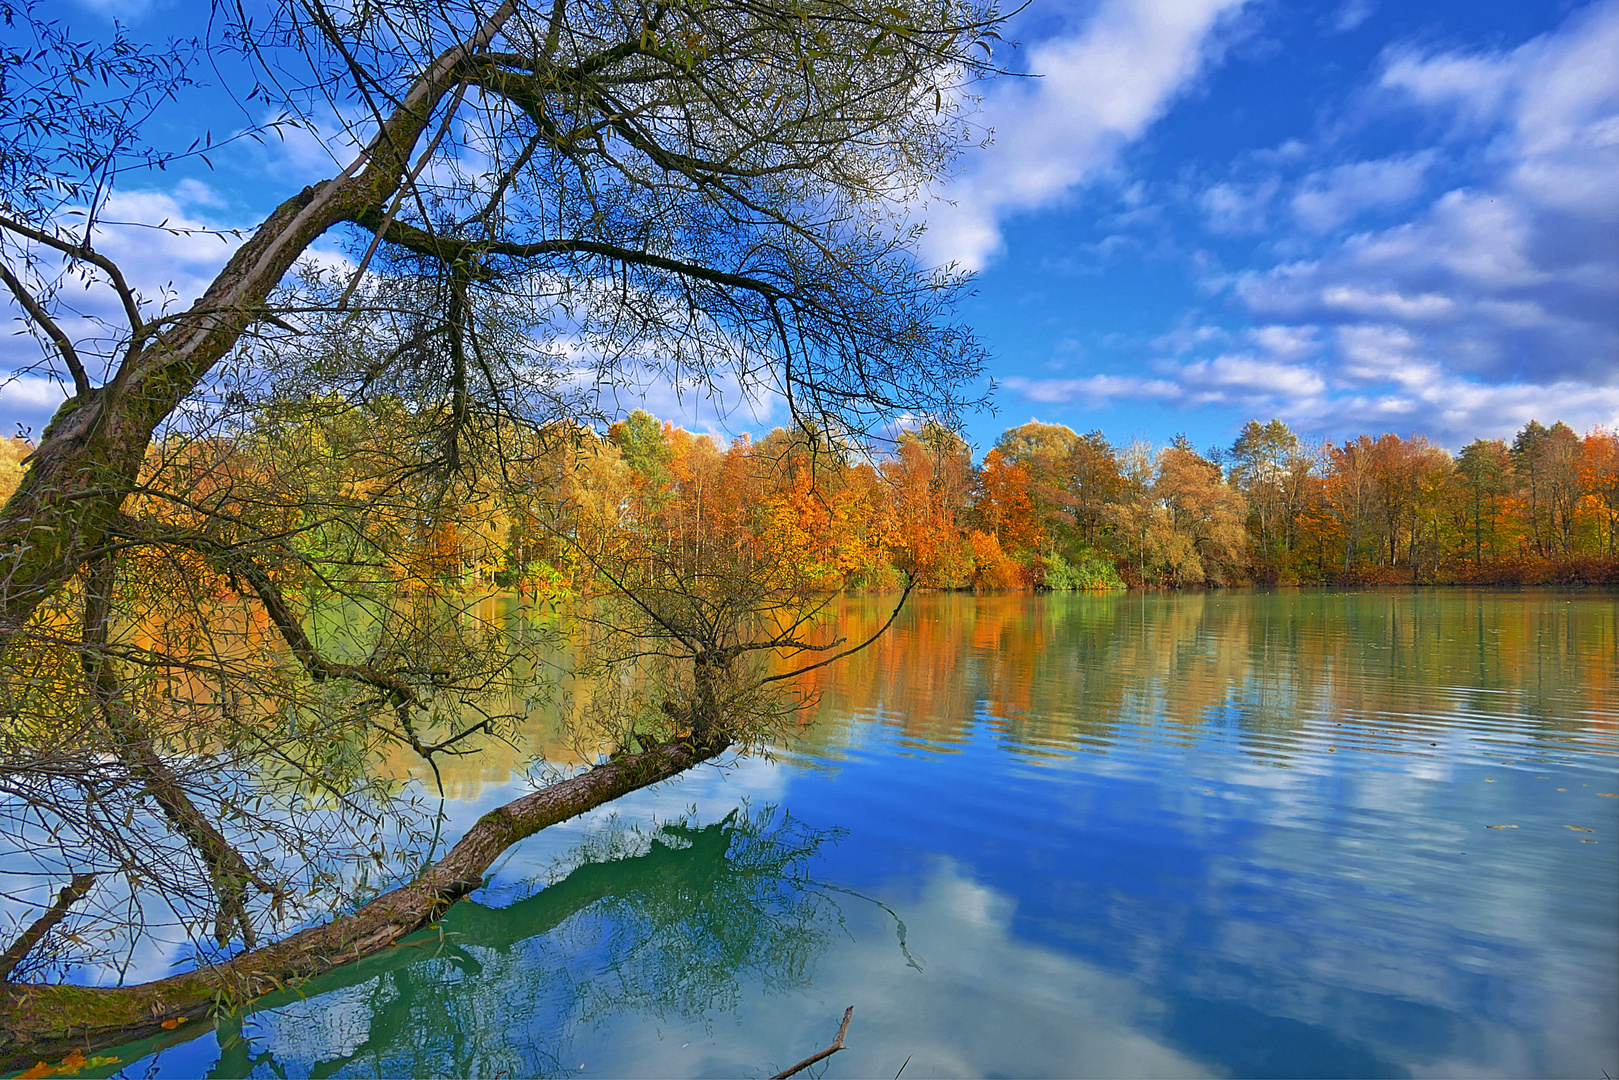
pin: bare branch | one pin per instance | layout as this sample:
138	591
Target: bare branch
910	583
70	356
824	1052
18	951
85	253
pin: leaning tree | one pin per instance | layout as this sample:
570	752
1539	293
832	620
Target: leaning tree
530	206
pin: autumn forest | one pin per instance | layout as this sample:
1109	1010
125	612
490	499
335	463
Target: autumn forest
1045	508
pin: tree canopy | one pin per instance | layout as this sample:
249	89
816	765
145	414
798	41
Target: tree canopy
225	569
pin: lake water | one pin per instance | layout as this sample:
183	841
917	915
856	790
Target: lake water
1306	833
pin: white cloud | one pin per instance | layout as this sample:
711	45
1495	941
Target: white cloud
721	406
1286	342
169	246
126	11
1332	197
1233	209
1359	377
1096	90
1495	301
30	396
1094	391
1351	15
1240	376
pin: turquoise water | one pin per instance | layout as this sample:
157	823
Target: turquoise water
1295	834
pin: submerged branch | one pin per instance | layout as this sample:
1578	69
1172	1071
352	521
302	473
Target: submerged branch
40	1021
824	1052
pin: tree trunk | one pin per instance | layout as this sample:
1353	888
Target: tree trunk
41	1022
92	450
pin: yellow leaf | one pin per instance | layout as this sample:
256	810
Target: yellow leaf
173	1022
39	1070
73	1063
1609	794
1578	828
1500	826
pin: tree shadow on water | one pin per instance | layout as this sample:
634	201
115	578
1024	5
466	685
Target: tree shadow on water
670	923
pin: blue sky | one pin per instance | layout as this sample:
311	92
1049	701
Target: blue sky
1357	216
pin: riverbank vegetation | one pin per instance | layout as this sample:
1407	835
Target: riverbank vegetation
1048	508
1045	508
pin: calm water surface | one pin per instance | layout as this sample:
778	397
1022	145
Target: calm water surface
1233	834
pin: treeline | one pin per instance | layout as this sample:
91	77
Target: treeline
1050	508
1274	509
1047	508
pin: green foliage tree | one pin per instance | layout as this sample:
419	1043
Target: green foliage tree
1271	469
1485	468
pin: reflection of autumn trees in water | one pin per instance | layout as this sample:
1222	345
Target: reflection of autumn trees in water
669	923
1065	671
1054	672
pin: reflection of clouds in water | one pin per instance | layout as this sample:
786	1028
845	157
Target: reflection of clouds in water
984	1004
1354	911
991	1004
1228	897
326	1028
706	793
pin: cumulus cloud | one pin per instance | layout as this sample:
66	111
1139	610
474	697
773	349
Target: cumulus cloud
1513	277
1094	390
1330	198
1350	15
1096	90
28	400
1337	381
169	245
1492	298
1233	209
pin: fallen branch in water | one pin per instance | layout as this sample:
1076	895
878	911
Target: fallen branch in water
44	1021
826	1052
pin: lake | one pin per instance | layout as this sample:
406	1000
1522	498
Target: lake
1302	833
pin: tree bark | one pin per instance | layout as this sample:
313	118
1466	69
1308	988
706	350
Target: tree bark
45	1022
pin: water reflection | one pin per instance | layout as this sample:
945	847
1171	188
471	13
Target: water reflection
1065	672
670	923
1287	834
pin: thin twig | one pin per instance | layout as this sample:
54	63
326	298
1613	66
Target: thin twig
837	1044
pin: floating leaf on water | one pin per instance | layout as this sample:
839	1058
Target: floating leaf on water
1609	794
173	1022
1500	826
40	1069
1578	828
1562	789
1585	840
1489	779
